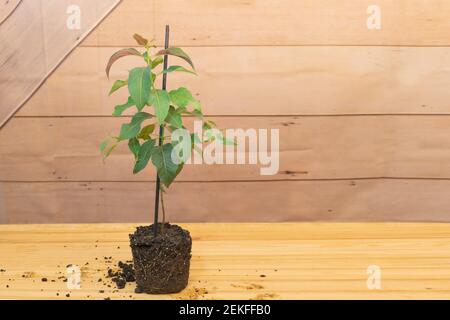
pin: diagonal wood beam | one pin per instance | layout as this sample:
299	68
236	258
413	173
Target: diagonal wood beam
35	37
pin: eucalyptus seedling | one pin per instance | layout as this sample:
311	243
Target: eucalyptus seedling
154	108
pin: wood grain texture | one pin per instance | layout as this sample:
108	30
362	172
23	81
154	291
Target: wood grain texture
267	81
344	109
7	7
310	148
270	201
298	260
38	39
287	22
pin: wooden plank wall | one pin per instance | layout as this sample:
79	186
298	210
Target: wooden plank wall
363	115
35	38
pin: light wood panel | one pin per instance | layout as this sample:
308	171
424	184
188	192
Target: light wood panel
287	22
267	81
58	149
299	261
343	200
38	39
308	72
7	8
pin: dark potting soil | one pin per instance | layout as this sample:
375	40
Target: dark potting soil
161	263
124	275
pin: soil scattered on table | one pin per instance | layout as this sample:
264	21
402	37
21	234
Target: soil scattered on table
123	275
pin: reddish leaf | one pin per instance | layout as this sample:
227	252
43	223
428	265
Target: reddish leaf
178	52
119	54
140	40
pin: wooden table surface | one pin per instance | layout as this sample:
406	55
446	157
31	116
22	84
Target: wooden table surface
238	261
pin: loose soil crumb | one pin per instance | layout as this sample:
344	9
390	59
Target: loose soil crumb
123	275
28	275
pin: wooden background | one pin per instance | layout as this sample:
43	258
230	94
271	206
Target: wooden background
364	116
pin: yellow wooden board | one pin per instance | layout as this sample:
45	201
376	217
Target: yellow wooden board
238	261
270	80
269	201
67	149
286	22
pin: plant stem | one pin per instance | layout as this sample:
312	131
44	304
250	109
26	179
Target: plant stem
160	140
163	211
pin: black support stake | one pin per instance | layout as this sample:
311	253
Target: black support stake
161	135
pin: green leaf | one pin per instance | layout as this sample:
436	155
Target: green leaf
146	131
197	106
211	124
139	86
176	68
197	113
117	85
195	138
130	130
161	101
174	118
178	52
144	155
226	141
118	110
119	54
208	124
181	97
162	160
157	61
107	146
104	144
134	146
108	151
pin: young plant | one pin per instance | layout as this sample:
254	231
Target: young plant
155	108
